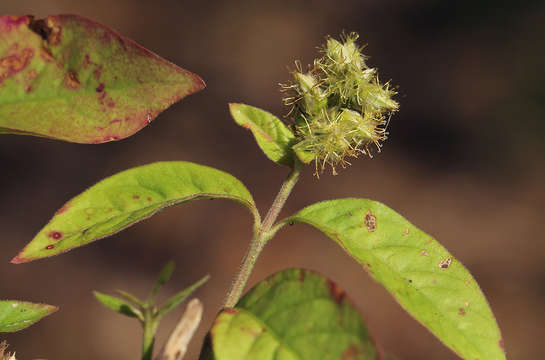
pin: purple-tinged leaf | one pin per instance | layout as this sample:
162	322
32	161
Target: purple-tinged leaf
69	78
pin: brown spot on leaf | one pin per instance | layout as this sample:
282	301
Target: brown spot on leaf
14	63
100	87
461	312
149	199
55	235
424	253
71	81
230	311
50	247
246	126
466	304
406	232
55	34
370	221
46	55
351	352
136	196
445	263
502	347
336	293
467	282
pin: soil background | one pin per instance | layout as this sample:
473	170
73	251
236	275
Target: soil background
463	162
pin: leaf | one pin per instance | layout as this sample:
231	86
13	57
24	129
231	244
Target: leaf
177	299
272	136
69	78
118	305
130	196
130	297
424	278
293	315
164	276
16	315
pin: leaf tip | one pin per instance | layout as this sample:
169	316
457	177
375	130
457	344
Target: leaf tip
19	260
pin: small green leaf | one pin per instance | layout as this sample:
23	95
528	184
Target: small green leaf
293	315
177	299
130	196
424	278
130	298
272	136
17	315
304	156
118	305
164	276
69	78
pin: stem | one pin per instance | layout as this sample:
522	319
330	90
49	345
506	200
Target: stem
261	236
150	326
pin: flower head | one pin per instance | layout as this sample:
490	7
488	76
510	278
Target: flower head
339	107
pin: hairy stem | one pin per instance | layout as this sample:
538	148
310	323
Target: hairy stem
261	235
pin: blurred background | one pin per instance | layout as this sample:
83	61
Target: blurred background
464	162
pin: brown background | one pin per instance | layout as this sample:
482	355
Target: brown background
464	162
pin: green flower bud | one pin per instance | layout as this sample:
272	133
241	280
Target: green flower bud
339	108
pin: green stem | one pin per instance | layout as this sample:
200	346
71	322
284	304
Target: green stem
150	326
261	235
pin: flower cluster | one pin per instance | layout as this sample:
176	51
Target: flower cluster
339	107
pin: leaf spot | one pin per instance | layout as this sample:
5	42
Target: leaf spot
466	304
350	353
50	247
424	253
136	196
500	343
467	282
461	312
101	87
71	81
55	235
406	232
15	63
445	263
149	199
336	293
370	221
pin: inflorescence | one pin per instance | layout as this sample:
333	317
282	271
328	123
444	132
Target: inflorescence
339	107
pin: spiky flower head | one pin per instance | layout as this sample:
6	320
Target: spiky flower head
339	107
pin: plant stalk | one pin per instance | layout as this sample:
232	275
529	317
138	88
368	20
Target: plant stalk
150	325
261	235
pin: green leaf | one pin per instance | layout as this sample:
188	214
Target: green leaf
424	278
70	78
164	276
177	299
293	315
272	136
133	195
17	315
118	305
130	297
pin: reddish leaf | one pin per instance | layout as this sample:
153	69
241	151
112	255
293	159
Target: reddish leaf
70	78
